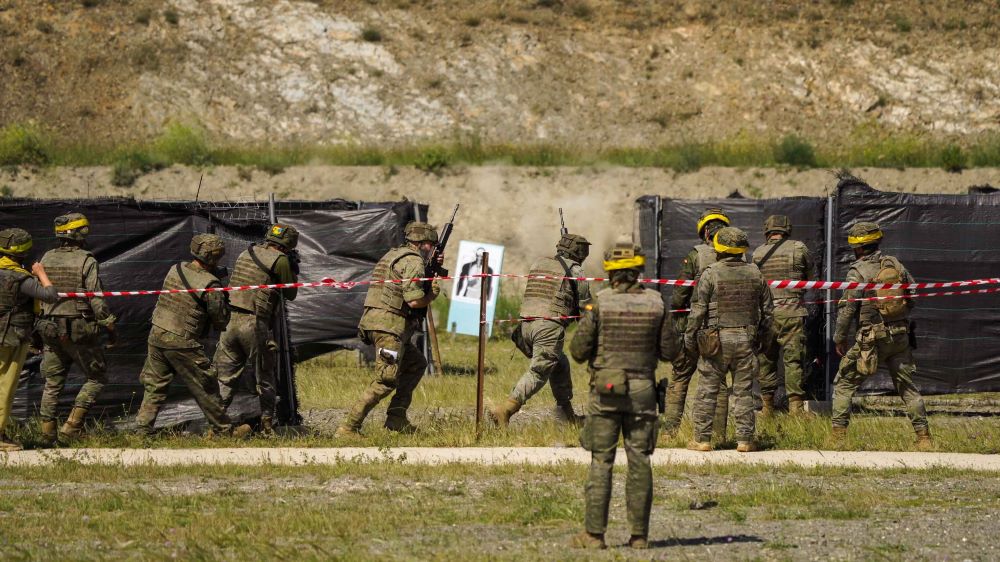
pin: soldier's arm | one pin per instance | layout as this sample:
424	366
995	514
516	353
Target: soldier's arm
699	307
682	295
668	345
34	289
766	312
583	346
582	287
847	311
907	278
92	282
283	271
804	260
217	304
411	267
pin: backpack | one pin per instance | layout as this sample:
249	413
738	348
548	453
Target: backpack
895	308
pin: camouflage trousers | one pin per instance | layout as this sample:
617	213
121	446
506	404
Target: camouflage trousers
548	363
400	376
632	416
194	368
59	356
893	352
684	366
246	339
791	349
736	356
11	362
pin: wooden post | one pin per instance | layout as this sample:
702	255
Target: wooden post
433	335
483	332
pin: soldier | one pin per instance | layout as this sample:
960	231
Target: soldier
541	340
684	365
248	335
731	315
18	293
621	337
883	337
179	321
783	258
70	328
389	321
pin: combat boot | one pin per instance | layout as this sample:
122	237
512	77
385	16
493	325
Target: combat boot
49	429
352	423
567	414
501	414
796	406
767	405
838	437
703	446
400	424
73	426
346	431
638	542
267	426
7	445
242	431
924	441
746	447
589	541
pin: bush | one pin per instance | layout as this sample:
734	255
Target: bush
24	144
952	158
371	35
432	160
183	144
143	16
986	153
172	17
795	151
132	165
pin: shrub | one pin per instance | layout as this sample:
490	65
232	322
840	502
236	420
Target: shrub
473	21
986	153
432	160
952	158
132	165
183	144
902	24
371	34
143	16
795	151
44	27
171	16
24	144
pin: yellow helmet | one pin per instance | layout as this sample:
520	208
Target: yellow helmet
624	255
713	214
731	240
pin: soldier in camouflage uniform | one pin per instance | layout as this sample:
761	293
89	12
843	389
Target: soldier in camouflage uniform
684	365
248	335
70	328
389	322
542	340
732	314
19	293
622	335
883	336
783	258
180	320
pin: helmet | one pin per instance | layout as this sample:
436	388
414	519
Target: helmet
208	248
731	240
283	235
624	255
573	246
15	242
72	226
777	223
709	216
864	233
420	232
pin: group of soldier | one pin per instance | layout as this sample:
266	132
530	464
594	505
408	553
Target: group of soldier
70	329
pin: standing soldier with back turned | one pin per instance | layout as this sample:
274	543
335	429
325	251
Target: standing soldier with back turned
540	336
70	328
783	258
391	317
884	334
248	335
730	317
621	336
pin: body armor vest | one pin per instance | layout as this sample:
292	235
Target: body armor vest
17	312
780	266
65	268
178	313
389	296
868	267
706	257
260	302
629	330
737	294
549	297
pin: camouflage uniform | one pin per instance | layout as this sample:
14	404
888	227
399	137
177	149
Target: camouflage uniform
248	336
791	260
179	321
879	340
19	292
733	305
70	328
542	340
388	323
621	336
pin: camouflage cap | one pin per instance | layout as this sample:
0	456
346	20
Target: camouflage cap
208	248
72	226
574	246
624	255
15	242
712	215
283	235
864	233
420	232
731	240
777	223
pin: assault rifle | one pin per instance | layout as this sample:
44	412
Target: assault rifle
563	230
433	269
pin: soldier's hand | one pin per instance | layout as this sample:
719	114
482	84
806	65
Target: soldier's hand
112	336
37	269
439	260
841	348
436	288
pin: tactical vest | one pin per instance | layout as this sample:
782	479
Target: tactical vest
65	268
389	296
737	294
868	267
629	330
549	297
17	313
178	313
706	257
260	302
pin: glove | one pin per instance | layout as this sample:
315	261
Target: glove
436	288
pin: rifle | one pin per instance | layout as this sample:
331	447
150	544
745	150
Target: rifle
433	269
563	230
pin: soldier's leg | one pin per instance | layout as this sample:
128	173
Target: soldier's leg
744	367
561	379
411	371
640	441
155	378
265	352
711	376
845	385
195	369
720	422
793	351
684	366
89	356
55	366
11	360
901	370
386	373
232	354
544	337
600	437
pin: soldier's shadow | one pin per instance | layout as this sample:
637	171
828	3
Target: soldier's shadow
705	541
465	370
